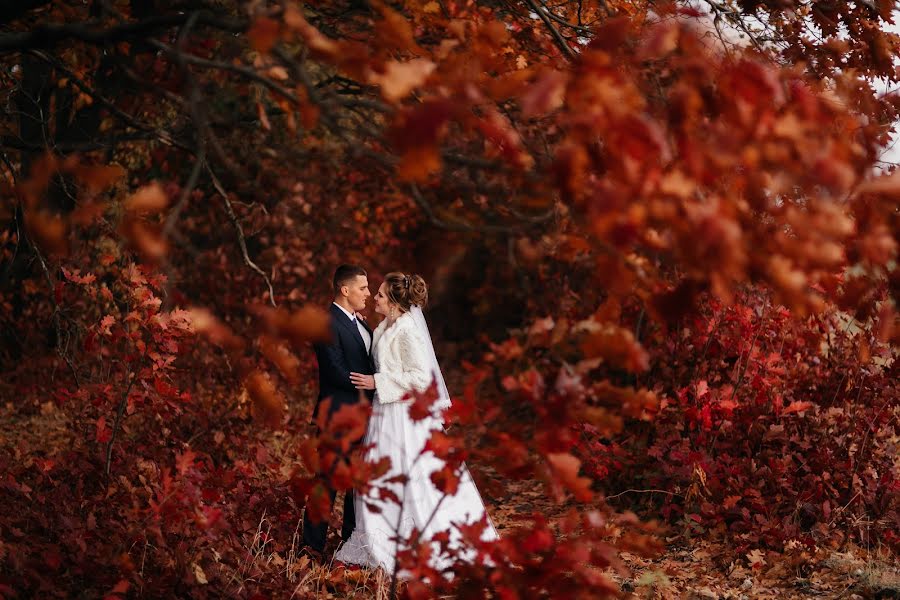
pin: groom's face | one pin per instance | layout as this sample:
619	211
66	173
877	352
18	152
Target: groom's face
357	291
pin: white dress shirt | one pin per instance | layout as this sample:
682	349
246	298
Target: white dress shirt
363	333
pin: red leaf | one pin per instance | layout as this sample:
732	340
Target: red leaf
348	423
446	480
797	406
341	476
423	403
565	469
104	434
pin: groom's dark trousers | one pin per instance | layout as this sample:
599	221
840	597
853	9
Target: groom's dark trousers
347	352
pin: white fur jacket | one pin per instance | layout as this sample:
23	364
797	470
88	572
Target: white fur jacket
402	361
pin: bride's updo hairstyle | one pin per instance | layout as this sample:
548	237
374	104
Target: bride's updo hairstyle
405	290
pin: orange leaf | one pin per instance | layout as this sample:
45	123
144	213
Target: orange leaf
267	401
565	469
400	78
288	364
421	408
97	178
146	239
263	117
149	199
264	34
50	232
394	30
204	322
546	94
309	452
418	164
308	324
614	344
797	406
888	185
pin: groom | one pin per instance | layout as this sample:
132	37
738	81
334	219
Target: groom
350	350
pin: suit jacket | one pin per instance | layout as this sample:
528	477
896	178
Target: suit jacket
346	352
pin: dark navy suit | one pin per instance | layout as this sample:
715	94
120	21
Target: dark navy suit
346	352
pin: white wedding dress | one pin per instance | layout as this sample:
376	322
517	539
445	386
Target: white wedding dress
404	359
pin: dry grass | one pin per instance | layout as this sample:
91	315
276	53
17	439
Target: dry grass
264	566
874	571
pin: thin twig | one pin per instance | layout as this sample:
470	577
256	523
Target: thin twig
57	315
643	492
163	135
48	35
123	403
557	36
240	232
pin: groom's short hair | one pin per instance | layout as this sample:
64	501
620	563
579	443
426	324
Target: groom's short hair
344	274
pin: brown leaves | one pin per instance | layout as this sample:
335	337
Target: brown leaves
145	236
97	178
394	31
208	325
400	78
267	401
308	324
415	134
499	131
888	185
49	231
320	44
615	345
636	404
264	34
545	95
288	364
148	199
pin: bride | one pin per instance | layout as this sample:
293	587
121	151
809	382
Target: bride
405	361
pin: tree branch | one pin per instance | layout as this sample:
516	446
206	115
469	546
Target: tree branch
557	36
240	232
13	9
48	35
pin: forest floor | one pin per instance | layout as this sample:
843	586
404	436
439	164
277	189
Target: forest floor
694	569
699	568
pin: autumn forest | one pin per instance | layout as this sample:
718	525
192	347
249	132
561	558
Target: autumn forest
661	246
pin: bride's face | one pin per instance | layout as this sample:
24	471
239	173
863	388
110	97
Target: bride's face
381	300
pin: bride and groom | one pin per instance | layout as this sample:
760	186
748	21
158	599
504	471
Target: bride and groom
385	365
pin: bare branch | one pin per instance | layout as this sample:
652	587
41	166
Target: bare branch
240	232
48	35
557	36
163	135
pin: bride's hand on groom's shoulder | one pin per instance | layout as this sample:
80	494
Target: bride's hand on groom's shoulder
362	382
361	316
